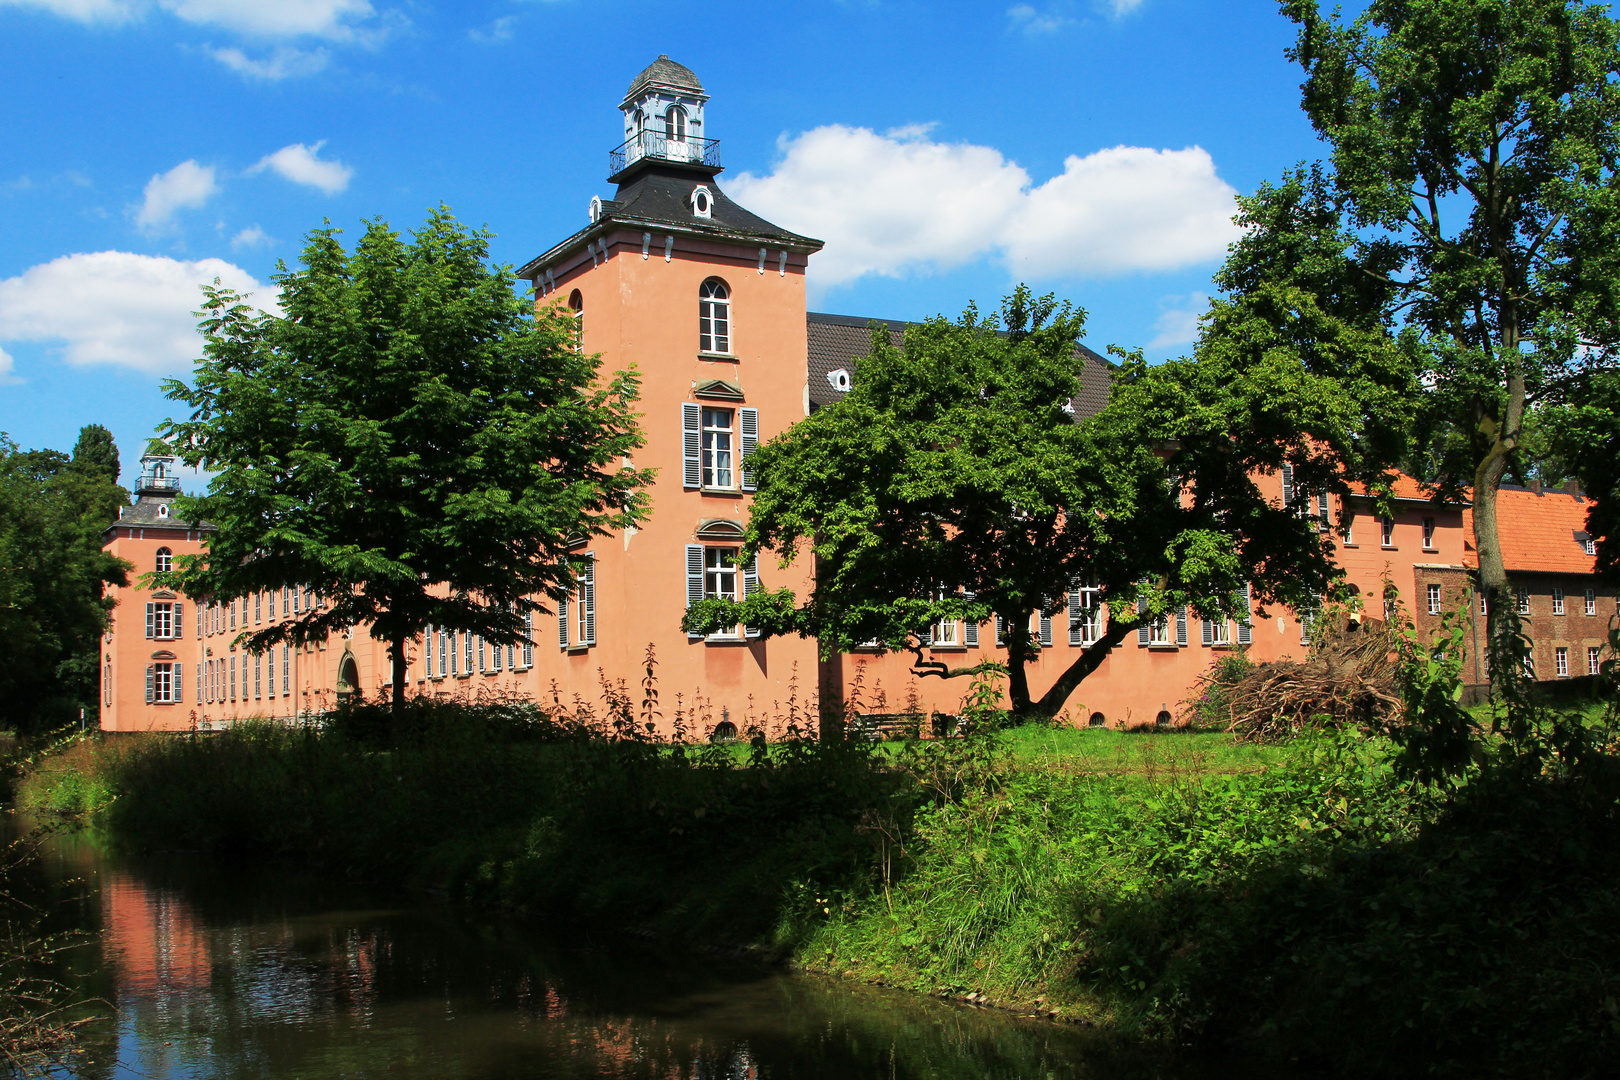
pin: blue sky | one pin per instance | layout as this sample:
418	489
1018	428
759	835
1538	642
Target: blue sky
943	151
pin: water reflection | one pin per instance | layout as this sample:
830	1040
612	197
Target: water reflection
225	972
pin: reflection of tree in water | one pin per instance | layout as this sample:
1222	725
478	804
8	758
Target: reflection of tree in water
247	975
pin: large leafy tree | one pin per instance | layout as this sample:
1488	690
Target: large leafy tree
408	438
953	483
53	575
1474	152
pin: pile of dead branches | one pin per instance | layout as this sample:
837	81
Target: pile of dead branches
1348	679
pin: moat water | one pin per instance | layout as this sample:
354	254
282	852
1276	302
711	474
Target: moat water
210	970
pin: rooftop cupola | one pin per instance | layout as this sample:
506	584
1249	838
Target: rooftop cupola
663	124
158	476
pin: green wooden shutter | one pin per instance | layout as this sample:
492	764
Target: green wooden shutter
1181	626
151	610
151	679
691	445
1245	634
750	587
694	579
587	598
749	424
1076	631
562	622
970	629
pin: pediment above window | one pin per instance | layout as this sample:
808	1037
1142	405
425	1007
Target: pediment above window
163	654
719	529
165	595
718	390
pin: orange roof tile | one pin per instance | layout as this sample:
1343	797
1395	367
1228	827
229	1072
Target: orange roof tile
1540	532
1405	487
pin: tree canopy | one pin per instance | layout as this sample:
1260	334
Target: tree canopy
409	438
1474	200
53	574
954	482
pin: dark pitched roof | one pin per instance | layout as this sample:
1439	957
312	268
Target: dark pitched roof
145	513
659	198
837	341
665	72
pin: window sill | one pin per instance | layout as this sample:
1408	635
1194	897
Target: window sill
573	650
1431	551
947	648
727	357
726	639
730	492
1163	646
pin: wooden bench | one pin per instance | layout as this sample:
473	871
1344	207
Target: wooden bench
878	726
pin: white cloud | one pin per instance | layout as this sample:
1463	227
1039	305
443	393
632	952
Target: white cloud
1122	209
333	19
1124	7
1178	323
85	11
250	237
115	307
6	376
299	164
186	185
1037	23
337	20
497	32
282	62
898	203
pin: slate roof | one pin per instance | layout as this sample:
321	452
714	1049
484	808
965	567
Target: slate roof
143	513
665	72
836	341
1541	532
659	197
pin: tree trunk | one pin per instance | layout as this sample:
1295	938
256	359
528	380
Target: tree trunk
1502	615
396	649
1018	654
1088	661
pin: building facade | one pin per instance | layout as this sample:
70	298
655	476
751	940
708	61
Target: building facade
707	301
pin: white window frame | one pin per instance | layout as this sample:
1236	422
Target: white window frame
163	560
1160	632
1590	603
714	318
1561	661
1431	592
1524	601
1594	659
1428	534
165	676
715	476
1086	614
1589	546
1386	532
1558	599
715	573
1220	632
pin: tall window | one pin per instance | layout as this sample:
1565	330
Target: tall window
1428	534
1591	602
1590	545
714	317
1220	632
717	449
163	683
1592	663
1387	531
948	632
165	560
1434	599
1558	599
286	670
1561	661
576	304
163	620
720	573
1085	611
585	606
675	124
1524	601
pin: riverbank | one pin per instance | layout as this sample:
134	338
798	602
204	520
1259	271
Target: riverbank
1301	900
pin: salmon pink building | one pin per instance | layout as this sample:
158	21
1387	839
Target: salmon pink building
707	301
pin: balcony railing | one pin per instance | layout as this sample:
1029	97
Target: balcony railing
149	482
659	147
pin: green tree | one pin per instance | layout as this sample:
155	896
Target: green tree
953	483
1474	146
53	574
1588	439
95	452
409	439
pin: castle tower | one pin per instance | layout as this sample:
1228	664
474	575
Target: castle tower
707	302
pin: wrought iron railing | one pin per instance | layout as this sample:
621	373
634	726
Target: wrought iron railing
149	482
660	147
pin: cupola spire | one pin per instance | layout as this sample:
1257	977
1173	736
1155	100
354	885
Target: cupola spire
663	122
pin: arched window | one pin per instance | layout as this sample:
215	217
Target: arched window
714	317
576	304
641	122
675	124
165	560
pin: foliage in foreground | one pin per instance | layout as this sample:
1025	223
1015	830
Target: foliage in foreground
1365	905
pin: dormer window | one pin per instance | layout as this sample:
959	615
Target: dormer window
839	379
163	511
702	202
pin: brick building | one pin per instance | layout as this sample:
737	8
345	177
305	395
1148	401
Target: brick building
707	301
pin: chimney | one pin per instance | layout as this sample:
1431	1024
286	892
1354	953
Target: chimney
1572	487
1535	485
